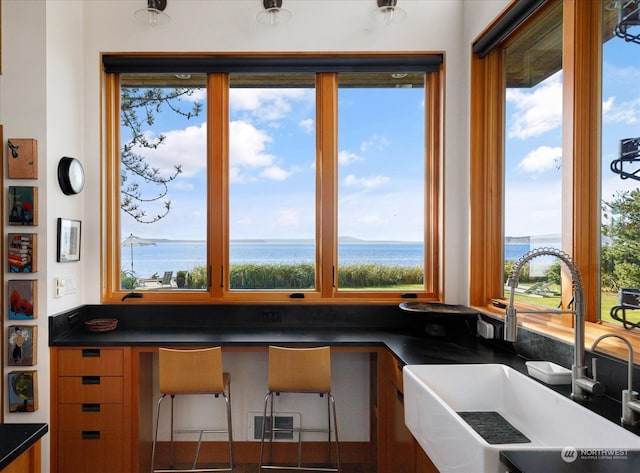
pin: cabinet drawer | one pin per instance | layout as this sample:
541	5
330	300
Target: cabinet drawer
90	361
89	416
90	451
90	389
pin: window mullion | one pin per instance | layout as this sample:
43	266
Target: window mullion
111	263
218	191
326	180
581	147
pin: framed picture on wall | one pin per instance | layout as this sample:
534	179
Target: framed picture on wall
21	252
22	345
23	205
69	235
22	297
22	158
23	391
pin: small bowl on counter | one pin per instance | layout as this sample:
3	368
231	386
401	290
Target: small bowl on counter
101	325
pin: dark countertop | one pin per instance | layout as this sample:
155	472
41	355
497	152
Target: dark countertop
412	339
606	461
15	439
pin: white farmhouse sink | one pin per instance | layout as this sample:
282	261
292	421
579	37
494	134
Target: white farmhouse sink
433	394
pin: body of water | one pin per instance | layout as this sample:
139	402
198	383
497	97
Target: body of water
186	255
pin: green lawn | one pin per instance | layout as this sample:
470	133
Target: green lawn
607	301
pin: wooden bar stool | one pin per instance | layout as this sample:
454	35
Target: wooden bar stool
196	371
300	371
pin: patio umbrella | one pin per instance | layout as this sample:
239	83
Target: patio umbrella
132	241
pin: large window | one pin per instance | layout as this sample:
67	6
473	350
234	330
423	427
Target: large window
272	183
380	204
303	181
533	182
599	190
163	181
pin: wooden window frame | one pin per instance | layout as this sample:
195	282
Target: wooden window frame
582	58
326	199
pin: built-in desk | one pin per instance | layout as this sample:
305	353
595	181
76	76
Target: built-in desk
20	447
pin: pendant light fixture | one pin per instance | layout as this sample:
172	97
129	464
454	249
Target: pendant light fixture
388	12
154	14
273	13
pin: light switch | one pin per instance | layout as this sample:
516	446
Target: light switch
59	287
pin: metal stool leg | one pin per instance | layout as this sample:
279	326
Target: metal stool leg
268	397
227	400
155	437
335	432
173	396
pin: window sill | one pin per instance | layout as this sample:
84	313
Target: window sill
547	326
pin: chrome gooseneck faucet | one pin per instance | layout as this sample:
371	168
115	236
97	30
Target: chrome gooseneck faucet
581	384
630	402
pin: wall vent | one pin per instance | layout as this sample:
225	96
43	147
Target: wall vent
284	420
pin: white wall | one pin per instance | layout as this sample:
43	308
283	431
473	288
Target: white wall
50	90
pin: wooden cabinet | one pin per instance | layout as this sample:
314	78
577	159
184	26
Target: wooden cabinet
27	462
91	399
397	449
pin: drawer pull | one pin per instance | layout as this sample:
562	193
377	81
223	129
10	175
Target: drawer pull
91	408
90	353
91	380
90	435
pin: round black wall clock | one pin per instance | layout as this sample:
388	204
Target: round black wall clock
70	175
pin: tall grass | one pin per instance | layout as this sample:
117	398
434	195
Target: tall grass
375	275
272	276
302	276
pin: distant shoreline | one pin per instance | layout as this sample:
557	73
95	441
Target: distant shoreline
525	240
285	240
509	240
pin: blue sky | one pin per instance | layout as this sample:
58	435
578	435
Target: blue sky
272	166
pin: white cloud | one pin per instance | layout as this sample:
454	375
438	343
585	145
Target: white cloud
365	182
537	111
180	184
197	95
541	159
266	104
376	142
247	150
275	173
186	147
347	157
627	113
307	125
